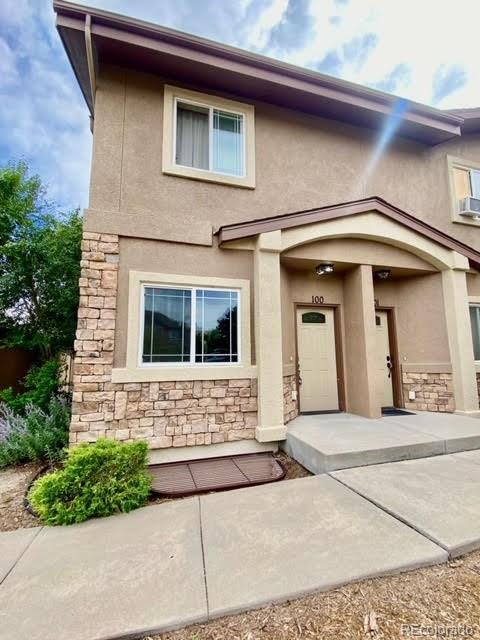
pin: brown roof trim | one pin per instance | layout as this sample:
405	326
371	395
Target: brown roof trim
287	221
471	119
310	90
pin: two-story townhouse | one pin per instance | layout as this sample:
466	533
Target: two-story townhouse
263	240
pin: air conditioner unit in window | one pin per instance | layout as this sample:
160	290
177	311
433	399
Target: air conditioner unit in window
470	207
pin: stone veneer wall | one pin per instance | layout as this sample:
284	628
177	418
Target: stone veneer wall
433	391
165	414
290	406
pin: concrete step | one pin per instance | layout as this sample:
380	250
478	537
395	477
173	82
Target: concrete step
330	442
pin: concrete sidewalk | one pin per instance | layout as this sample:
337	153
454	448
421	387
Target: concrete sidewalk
171	564
439	497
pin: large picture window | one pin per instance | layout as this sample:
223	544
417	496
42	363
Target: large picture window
209	139
475	321
191	325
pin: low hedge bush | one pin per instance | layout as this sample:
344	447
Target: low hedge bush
37	435
97	480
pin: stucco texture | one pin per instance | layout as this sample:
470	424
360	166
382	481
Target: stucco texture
302	162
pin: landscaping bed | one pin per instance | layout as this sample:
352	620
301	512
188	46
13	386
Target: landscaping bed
15	481
445	596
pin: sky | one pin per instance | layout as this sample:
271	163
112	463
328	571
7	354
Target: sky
423	50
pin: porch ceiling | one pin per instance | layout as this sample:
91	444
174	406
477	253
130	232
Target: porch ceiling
341	267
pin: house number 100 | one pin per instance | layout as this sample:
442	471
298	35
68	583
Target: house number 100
317	299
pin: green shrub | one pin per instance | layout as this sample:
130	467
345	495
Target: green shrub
38	435
40	384
97	480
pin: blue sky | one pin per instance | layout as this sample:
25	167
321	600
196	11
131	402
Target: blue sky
420	49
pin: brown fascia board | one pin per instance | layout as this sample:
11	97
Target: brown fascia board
287	221
124	40
471	119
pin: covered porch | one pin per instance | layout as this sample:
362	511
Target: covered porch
331	334
329	442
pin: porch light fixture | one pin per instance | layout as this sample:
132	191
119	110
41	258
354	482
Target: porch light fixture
383	274
324	268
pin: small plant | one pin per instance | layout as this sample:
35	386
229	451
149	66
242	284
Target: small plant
97	480
38	435
40	384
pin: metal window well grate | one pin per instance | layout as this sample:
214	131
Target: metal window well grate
174	479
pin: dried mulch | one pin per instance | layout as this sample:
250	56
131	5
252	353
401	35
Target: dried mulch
440	598
14	482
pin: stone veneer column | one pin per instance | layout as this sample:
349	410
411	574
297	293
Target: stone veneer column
268	337
359	310
460	340
93	393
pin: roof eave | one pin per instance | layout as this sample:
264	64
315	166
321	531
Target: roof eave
360	104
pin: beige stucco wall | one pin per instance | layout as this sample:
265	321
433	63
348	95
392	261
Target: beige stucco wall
473	284
420	316
302	162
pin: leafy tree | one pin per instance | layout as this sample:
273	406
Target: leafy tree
39	266
20	199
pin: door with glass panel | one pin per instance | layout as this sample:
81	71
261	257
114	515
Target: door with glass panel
317	362
383	368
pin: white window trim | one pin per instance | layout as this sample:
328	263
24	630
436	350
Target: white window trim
193	321
469	165
160	372
173	95
211	108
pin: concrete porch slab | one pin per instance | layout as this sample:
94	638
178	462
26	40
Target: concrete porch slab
275	542
327	442
12	545
439	497
459	432
121	576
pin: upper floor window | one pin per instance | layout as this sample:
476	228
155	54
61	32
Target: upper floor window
208	138
465	190
467	182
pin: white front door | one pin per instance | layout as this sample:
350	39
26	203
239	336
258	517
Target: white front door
383	382
317	360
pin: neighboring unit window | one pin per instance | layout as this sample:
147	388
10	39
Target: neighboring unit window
467	182
475	321
209	139
170	314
